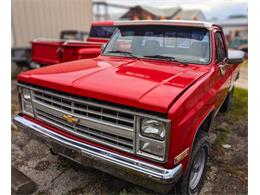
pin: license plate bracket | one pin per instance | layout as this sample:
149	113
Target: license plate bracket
72	154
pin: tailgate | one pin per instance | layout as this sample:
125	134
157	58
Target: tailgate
46	52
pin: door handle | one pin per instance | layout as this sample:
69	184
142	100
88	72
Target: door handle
222	68
59	52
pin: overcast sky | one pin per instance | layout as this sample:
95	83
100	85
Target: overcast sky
211	8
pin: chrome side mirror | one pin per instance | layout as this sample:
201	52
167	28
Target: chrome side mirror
235	56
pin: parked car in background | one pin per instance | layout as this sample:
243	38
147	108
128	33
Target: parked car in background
101	31
22	55
239	43
73	35
239	40
49	52
142	109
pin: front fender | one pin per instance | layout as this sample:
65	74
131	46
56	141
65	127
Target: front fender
187	114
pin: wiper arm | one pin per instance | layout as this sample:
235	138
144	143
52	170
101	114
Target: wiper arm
123	52
160	57
169	58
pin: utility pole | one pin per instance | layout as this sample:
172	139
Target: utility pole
101	12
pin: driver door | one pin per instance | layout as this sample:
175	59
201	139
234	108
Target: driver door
223	68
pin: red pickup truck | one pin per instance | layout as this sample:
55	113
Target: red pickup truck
142	109
49	51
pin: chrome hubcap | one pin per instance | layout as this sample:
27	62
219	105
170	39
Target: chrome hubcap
197	169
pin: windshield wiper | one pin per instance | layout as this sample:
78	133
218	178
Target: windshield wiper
128	53
168	58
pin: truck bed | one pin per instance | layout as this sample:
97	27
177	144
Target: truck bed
48	52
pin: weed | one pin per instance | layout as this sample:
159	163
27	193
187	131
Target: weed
239	107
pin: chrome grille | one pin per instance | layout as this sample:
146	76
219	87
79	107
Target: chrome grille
97	122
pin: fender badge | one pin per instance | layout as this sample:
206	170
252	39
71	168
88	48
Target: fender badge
70	119
181	156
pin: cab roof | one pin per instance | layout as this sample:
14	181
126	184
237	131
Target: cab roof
188	23
102	23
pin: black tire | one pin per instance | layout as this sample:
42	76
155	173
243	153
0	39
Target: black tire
201	145
53	152
228	101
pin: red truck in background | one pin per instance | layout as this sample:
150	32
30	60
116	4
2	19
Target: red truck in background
48	52
142	109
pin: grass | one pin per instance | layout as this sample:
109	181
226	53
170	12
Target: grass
221	139
238	111
237	171
234	170
239	107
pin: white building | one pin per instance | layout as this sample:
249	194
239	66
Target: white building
46	18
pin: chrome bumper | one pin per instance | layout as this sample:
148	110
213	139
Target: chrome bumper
138	172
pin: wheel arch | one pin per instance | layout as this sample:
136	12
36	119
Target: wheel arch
204	124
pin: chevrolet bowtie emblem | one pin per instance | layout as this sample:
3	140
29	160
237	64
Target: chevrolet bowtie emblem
70	119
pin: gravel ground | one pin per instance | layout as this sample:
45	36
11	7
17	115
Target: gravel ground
227	167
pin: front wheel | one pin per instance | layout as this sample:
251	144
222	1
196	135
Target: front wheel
192	182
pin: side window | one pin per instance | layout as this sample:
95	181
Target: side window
123	41
220	48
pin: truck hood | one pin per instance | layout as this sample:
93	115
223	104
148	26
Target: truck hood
147	84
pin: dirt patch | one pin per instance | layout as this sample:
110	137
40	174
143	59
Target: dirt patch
227	167
231	163
42	165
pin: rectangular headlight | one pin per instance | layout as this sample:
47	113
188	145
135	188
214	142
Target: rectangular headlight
26	101
152	139
153	128
26	94
152	148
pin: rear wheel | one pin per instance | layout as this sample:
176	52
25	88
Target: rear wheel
192	182
228	101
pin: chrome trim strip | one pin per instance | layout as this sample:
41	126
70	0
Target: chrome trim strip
65	41
73	41
150	171
83	42
47	39
101	38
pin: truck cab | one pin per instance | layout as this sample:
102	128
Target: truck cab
142	109
101	31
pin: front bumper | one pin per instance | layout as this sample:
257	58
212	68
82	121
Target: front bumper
138	172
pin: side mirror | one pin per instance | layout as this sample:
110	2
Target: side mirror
235	56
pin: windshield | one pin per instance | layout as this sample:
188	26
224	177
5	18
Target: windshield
184	44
